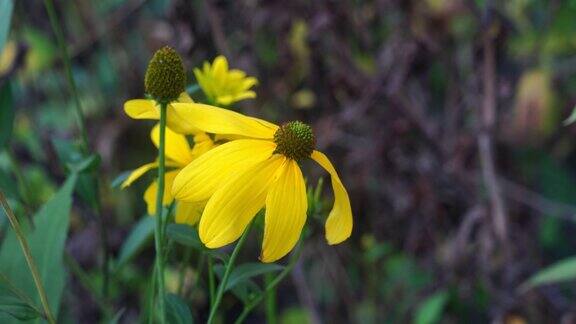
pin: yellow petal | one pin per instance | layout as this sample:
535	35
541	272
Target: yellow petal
228	99
286	206
218	121
151	192
138	173
220	67
203	176
141	109
202	144
176	149
184	97
339	222
188	213
233	206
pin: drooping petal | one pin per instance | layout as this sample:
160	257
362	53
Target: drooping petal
188	213
141	109
138	173
233	206
204	175
152	191
286	206
339	222
176	147
218	121
202	144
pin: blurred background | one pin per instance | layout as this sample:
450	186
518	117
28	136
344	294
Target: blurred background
443	118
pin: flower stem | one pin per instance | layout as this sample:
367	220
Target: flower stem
270	300
227	271
61	42
271	286
159	237
28	256
211	281
57	28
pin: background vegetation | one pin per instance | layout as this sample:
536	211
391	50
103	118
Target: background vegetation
444	119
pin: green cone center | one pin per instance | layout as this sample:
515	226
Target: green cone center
295	140
165	78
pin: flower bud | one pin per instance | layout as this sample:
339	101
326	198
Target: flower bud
165	78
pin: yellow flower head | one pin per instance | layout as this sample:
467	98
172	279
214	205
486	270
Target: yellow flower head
178	155
259	169
223	86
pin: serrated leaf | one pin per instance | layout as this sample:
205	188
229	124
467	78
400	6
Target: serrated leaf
6	8
561	271
6	112
177	310
17	309
138	237
430	311
47	247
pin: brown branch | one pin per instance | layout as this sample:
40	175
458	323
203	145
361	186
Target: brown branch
485	142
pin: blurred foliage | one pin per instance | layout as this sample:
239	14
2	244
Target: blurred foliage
393	89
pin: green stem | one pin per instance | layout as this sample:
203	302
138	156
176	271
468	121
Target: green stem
83	278
159	230
28	256
61	42
270	301
271	286
57	27
227	271
211	280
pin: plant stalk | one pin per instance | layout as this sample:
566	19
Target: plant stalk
159	230
271	286
227	271
61	42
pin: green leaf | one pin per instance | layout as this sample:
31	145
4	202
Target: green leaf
17	309
571	119
245	290
6	110
177	311
117	317
563	270
71	155
185	235
47	246
140	235
247	271
117	182
6	8
430	311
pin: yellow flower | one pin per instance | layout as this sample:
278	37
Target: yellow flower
259	169
178	155
150	109
223	86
